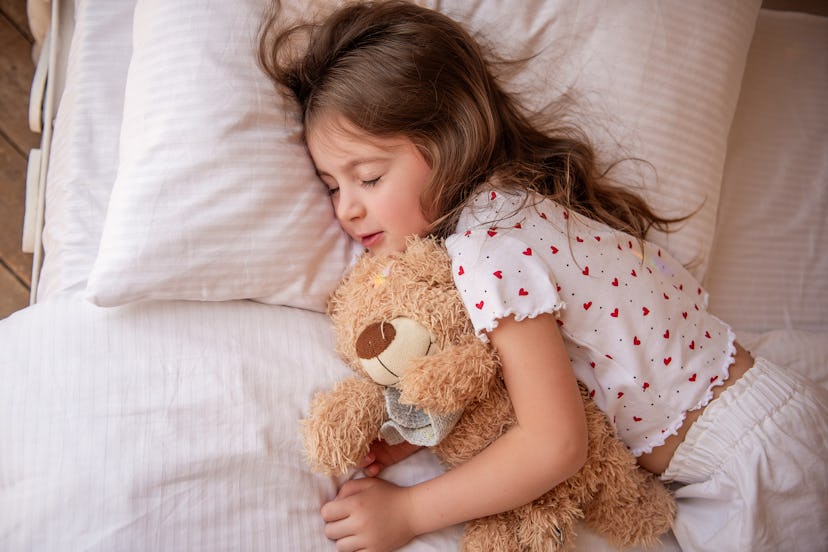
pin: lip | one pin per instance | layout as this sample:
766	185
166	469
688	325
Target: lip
370	240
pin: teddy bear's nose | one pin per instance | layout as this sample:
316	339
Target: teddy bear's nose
375	339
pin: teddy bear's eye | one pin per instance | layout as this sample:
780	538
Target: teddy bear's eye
385	349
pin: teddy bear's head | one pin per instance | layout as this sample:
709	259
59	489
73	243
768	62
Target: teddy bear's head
391	309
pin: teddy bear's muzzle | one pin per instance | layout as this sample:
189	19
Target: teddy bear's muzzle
385	349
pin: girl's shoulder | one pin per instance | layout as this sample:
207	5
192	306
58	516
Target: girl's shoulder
522	215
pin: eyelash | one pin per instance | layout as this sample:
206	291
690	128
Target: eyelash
367	183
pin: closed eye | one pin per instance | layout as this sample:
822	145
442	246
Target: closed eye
371	183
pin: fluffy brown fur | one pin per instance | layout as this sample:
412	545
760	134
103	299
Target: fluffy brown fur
610	493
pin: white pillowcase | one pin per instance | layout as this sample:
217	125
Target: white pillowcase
215	196
651	79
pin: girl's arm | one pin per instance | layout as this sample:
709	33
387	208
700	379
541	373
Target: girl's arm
546	446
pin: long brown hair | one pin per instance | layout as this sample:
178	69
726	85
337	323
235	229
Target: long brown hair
393	68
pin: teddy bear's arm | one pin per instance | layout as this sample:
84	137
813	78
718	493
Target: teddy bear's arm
342	424
449	380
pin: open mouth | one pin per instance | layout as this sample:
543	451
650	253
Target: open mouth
370	240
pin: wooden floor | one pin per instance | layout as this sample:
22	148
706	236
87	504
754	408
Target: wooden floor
16	71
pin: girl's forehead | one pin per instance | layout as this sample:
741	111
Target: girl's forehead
334	130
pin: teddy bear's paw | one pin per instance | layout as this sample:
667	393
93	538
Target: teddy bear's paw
451	379
524	530
342	424
649	510
490	534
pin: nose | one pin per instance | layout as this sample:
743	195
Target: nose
348	207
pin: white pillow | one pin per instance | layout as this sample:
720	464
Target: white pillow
216	199
651	79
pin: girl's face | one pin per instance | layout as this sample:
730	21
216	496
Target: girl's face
375	183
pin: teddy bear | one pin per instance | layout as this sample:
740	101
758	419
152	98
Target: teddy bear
423	376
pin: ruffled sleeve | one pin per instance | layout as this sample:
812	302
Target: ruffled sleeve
499	273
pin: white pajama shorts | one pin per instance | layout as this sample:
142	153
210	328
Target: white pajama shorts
753	469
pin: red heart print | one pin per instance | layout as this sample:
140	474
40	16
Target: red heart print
554	250
597	238
645	386
468	233
645	311
614	313
579	239
587	305
566	215
630	244
494	195
666	296
684	314
592	364
585	271
633	273
608	356
692	378
460	271
528	251
693	345
667	334
714	378
522	292
620	394
636	341
498	274
518	226
636	419
479	305
699	291
667	361
492	232
707	335
615	282
543	215
592	393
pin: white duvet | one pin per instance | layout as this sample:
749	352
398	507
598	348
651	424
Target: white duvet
174	426
165	426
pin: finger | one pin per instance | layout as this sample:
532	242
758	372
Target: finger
338	530
334	511
367	460
349	544
373	470
353	487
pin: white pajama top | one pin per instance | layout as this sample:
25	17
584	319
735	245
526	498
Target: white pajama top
634	321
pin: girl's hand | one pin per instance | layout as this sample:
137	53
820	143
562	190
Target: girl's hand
369	514
381	455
